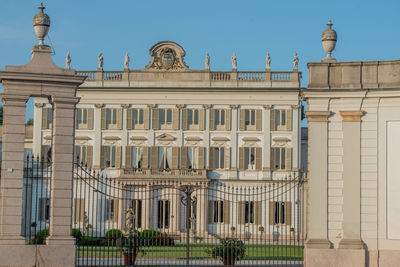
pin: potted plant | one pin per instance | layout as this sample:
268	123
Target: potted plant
233	229
229	250
130	247
292	232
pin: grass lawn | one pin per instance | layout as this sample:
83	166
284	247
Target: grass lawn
197	251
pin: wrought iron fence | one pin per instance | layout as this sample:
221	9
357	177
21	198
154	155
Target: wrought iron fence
186	223
36	200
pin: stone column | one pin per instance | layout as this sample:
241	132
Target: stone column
202	210
206	131
267	141
318	179
12	169
351	180
97	135
62	171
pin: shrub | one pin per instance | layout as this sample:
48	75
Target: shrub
77	234
154	238
40	237
113	234
228	251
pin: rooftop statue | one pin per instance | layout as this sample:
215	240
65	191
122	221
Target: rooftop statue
100	59
295	61
207	62
68	62
268	62
234	61
126	62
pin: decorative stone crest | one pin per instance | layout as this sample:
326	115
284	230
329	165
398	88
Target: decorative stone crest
207	106
39	105
98	105
125	105
234	106
280	142
151	105
267	106
180	106
167	56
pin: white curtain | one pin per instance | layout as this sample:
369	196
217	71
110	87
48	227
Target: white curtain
195	156
190	160
169	158
161	157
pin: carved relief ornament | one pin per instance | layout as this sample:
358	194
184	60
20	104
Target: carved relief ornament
167	56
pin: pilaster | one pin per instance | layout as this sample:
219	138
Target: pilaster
61	195
318	179
97	135
207	131
12	169
124	133
37	128
351	180
234	137
296	137
267	141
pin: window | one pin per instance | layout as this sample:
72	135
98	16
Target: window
44	209
135	213
163	214
249	117
219	117
45	155
137	118
281	158
280	119
250	158
80	155
111	119
111	156
193	117
218	214
218	155
249	212
280	213
84	118
137	157
111	213
165	116
192	157
47	118
164	157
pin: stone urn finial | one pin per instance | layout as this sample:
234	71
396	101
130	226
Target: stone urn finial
41	24
329	38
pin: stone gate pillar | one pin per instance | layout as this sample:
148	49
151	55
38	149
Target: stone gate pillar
39	78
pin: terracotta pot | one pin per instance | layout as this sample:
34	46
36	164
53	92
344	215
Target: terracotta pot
129	258
229	261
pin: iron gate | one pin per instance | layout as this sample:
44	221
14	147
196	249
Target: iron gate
183	223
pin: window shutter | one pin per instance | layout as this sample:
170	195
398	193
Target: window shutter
118	157
119	118
154	157
241	212
258	120
184	119
288	158
129	123
103	157
42	209
76	210
175	119
241	120
201	118
79	211
211	158
90	118
128	157
44	118
175	157
184	157
201	157
212	119
273	115
103	119
145	157
227	158
228	116
116	209
288	211
289	113
155	124
258	158
76	119
210	211
241	158
272	159
226	212
271	213
43	154
89	156
257	212
146	120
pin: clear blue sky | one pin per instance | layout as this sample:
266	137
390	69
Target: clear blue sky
367	30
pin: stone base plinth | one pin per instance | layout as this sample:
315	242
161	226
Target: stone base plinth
317	257
37	255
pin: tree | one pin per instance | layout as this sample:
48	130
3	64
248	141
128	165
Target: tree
29	122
